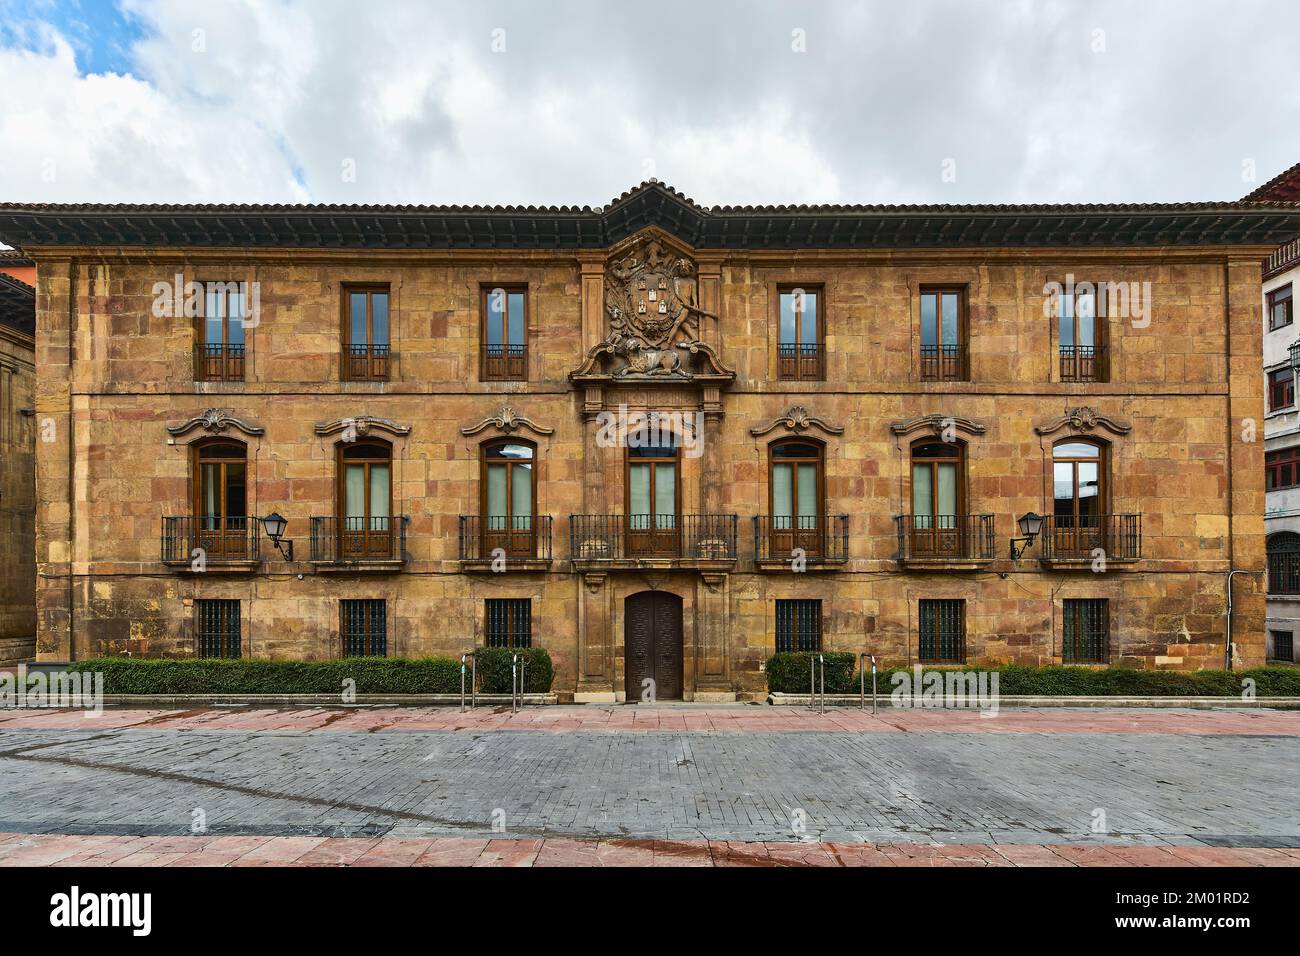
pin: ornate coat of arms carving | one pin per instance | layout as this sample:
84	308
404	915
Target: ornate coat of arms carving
651	303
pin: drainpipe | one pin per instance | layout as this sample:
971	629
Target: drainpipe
1227	649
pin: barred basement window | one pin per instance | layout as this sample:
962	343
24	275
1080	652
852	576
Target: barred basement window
217	628
1282	647
365	628
798	626
943	632
509	622
1087	631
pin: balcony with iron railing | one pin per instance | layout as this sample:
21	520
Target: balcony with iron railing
1091	541
501	543
350	544
190	543
220	363
800	361
945	542
704	541
505	363
1084	363
809	542
366	363
944	363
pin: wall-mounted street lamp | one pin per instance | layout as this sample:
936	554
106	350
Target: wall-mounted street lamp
1030	524
1294	351
275	523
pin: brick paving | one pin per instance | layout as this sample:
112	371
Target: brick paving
649	786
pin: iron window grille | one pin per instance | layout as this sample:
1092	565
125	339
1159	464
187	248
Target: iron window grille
1086	630
943	631
509	622
365	628
798	625
218	629
1283	649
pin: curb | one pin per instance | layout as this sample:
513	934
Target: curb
1019	700
313	700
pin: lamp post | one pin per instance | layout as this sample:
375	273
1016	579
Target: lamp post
275	523
1294	352
1030	524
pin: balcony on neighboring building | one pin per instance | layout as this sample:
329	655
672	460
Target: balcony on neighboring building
807	542
705	542
190	543
505	543
358	544
945	542
1082	541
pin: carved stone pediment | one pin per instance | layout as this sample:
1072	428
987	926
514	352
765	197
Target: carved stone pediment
361	426
1084	419
937	425
796	419
652	316
216	421
507	420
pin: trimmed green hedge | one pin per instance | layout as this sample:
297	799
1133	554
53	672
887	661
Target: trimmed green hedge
373	675
788	674
494	669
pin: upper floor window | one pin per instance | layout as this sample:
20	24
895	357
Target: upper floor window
799	350
652	498
365	524
505	336
1281	389
220	485
1280	308
1081	321
938	498
797	490
365	333
1283	556
943	335
1282	468
220	355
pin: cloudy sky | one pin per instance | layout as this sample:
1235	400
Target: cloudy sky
574	102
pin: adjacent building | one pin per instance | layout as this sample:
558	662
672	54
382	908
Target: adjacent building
17	459
661	440
1282	430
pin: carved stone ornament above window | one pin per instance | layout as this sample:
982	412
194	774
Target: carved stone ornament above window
507	420
216	421
361	426
797	419
1084	419
937	425
653	314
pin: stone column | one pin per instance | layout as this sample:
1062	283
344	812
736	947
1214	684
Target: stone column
1245	460
55	317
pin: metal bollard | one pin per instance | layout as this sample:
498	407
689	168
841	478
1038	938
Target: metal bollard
821	663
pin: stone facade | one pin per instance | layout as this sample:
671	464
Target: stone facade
17	470
1175	419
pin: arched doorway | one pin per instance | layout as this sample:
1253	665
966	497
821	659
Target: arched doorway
652	645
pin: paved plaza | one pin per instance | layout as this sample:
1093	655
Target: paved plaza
665	786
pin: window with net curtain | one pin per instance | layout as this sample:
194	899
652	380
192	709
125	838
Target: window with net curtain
936	484
796	479
652	484
509	479
366	487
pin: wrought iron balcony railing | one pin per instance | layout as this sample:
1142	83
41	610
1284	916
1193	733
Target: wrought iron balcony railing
203	541
1084	363
1116	537
819	539
220	363
505	363
944	363
527	537
366	363
945	537
335	540
800	361
708	537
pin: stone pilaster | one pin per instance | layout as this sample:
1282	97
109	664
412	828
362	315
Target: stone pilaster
712	676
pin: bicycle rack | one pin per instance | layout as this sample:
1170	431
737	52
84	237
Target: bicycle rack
862	680
813	664
473	681
518	681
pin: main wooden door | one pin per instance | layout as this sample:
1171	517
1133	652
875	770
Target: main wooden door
652	644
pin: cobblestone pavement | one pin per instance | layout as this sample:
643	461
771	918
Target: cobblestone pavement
1022	779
